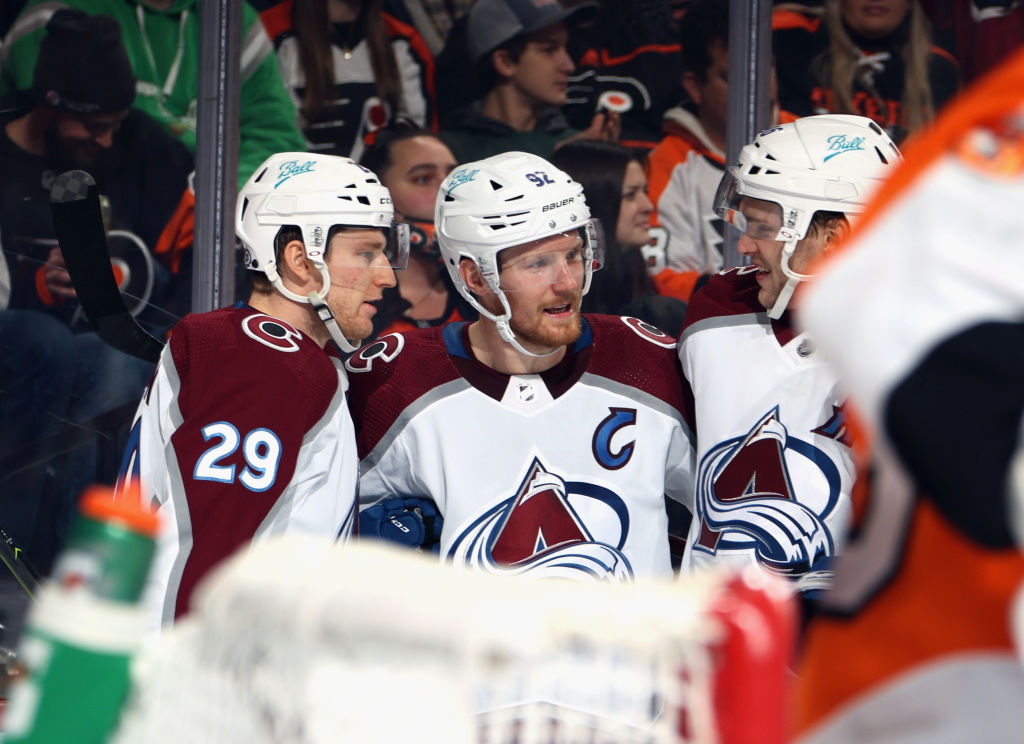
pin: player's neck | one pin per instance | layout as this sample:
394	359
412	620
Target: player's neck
300	316
490	349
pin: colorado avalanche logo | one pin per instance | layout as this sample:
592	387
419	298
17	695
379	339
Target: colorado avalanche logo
746	499
542	529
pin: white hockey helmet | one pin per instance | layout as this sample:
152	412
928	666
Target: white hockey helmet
832	163
314	193
505	201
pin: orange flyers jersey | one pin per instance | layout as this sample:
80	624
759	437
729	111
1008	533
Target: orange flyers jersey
683	172
922	315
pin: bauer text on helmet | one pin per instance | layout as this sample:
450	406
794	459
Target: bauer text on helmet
506	201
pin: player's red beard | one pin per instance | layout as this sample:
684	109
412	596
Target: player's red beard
543	332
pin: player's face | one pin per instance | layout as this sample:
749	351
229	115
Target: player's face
874	18
543	281
634	228
418	166
360	271
74	141
542	73
764	220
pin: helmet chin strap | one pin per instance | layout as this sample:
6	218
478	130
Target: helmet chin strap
503	323
509	337
792	280
319	302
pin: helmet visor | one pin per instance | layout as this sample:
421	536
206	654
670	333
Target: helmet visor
397	249
756	218
563	257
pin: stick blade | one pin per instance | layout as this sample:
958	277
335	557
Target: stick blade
78	222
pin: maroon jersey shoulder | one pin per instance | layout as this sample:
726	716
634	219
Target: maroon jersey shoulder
232	360
635	353
731	292
389	374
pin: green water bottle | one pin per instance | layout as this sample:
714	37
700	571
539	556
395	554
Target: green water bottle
85	627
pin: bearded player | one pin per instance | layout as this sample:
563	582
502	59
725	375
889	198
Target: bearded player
545	439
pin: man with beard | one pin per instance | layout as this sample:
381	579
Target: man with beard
545	440
78	115
58	379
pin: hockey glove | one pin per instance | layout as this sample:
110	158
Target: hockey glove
412	522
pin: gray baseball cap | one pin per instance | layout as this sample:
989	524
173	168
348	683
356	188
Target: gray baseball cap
493	22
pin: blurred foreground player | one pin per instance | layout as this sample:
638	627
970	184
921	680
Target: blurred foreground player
774	467
922	317
546	439
244	432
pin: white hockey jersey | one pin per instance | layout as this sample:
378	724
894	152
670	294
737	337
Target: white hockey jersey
774	467
229	453
558	474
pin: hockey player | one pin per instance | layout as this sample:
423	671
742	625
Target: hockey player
244	431
774	469
547	440
915	640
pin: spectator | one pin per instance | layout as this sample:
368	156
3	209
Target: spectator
162	39
58	374
433	19
614	184
865	58
978	33
351	71
521	67
412	163
627	61
686	166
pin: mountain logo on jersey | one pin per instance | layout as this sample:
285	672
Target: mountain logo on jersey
746	499
543	529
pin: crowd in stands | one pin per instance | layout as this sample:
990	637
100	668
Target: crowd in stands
627	96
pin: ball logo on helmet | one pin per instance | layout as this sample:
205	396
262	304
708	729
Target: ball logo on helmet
293	168
460	177
839	143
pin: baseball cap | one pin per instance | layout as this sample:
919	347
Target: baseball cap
491	23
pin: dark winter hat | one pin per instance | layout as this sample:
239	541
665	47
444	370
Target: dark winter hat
490	23
83	66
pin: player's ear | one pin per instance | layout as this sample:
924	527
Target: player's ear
837	230
471	275
294	263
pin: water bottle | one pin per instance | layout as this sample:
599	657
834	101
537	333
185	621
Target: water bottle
85	627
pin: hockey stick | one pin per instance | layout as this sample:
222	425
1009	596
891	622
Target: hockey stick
78	222
18	564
